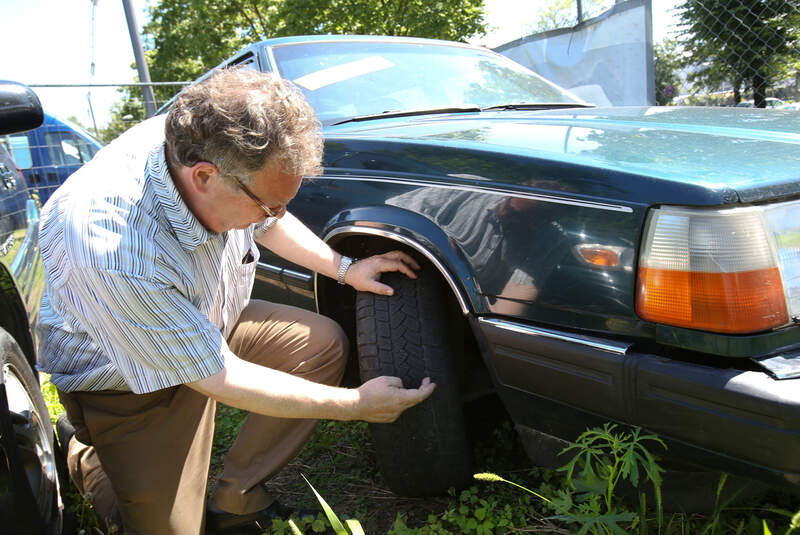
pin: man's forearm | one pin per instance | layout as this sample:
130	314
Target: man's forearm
292	240
262	390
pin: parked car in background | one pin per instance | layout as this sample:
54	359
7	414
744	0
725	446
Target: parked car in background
771	103
51	153
635	265
789	106
30	499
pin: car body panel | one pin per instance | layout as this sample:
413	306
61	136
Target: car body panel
21	275
484	234
715	152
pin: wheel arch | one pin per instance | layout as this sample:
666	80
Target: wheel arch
392	224
14	315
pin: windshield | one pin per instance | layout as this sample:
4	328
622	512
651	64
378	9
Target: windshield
356	78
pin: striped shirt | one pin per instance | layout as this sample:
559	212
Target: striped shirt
139	295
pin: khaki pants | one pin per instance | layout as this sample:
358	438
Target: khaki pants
145	458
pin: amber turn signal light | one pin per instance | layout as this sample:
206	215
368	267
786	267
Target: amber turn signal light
712	270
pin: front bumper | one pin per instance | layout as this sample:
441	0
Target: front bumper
743	422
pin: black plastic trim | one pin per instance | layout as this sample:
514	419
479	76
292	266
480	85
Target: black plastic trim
747	420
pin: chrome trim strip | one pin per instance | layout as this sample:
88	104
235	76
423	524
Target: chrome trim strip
783	366
269	268
618	348
305	278
353	229
487	191
369	39
273	272
273	65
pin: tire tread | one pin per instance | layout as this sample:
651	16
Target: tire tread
425	451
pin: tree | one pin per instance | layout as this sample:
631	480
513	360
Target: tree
746	42
74	120
564	14
666	62
125	113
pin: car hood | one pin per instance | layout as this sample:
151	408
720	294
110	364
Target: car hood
754	153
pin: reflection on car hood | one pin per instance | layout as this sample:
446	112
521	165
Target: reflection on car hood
754	152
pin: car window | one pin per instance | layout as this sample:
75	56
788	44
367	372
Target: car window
86	150
21	150
62	148
345	79
246	61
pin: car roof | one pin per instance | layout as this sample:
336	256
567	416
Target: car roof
276	41
52	120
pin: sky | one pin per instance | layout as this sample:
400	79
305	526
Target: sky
50	42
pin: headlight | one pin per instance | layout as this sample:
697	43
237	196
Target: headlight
730	270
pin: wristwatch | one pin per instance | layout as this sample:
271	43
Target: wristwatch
343	267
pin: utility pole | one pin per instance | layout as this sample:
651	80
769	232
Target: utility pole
141	64
91	75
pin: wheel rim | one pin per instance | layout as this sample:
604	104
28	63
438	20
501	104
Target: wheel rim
34	442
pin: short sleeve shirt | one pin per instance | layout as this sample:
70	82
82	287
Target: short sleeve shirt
139	295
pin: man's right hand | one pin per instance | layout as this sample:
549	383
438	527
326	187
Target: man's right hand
383	399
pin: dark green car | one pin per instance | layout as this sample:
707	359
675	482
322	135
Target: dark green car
636	265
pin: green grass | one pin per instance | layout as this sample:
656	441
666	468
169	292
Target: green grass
50	395
339	461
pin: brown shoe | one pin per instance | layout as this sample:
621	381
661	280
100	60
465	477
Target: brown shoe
257	522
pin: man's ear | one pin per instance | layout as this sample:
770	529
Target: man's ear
202	176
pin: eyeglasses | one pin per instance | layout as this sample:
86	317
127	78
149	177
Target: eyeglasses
271	212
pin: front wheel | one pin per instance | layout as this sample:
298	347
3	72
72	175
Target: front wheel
425	451
28	441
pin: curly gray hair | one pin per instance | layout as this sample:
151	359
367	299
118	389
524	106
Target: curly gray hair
240	120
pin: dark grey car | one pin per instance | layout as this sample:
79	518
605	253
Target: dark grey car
30	488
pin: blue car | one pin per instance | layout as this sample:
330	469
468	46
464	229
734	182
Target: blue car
51	153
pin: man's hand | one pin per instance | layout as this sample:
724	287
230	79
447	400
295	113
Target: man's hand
364	274
383	399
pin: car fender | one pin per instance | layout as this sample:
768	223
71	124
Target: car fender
418	233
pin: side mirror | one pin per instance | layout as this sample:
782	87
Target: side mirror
20	108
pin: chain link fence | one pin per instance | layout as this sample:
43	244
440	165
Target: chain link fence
734	52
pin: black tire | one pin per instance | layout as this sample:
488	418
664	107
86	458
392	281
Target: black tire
33	437
425	451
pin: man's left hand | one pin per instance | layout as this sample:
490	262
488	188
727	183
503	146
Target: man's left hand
364	274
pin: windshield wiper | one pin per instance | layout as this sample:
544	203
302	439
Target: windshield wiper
464	109
408	113
538	106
